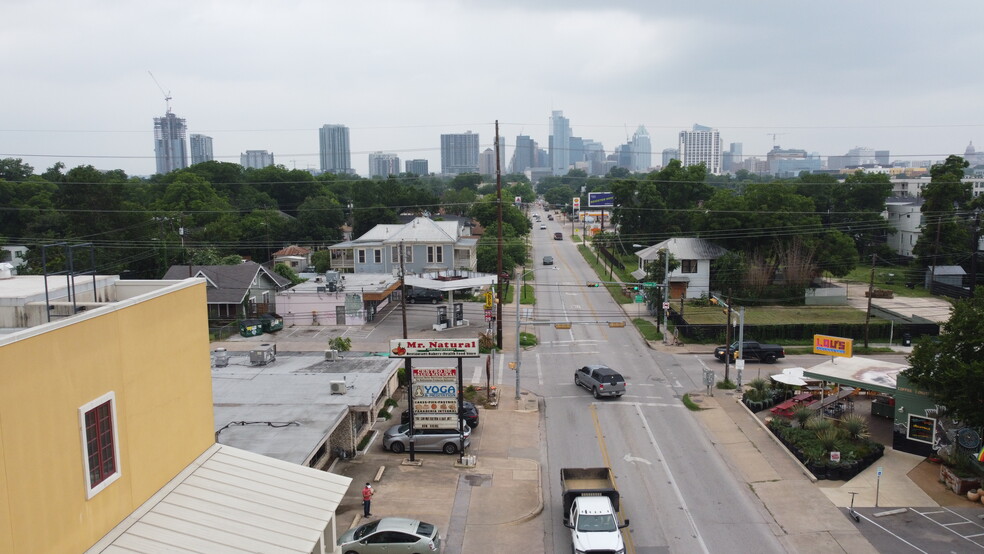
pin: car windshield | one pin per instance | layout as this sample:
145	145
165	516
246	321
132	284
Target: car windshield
425	529
366	529
596	523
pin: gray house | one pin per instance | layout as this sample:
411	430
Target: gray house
692	279
235	291
428	247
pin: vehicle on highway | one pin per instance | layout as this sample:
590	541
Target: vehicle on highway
751	350
469	414
558	236
548	260
425	296
543	226
591	510
391	534
550	217
397	439
600	380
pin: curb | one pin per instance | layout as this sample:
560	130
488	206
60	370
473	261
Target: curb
806	472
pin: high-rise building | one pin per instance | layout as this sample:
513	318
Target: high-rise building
701	145
670	154
383	164
732	159
486	162
417	167
201	149
336	155
459	153
524	156
560	143
883	157
624	156
169	143
594	156
256	159
642	150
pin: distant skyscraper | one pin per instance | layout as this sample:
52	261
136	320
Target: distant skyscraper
670	154
524	156
732	159
502	154
201	149
256	159
642	150
882	157
560	143
486	162
624	156
383	164
701	145
169	143
459	153
594	156
417	167
336	155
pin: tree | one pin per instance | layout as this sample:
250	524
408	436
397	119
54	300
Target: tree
951	368
944	238
14	169
513	249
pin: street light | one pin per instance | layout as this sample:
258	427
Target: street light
518	294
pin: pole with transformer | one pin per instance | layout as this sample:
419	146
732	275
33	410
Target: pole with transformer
498	201
406	363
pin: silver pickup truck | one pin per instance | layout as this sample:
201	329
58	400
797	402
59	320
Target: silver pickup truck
600	380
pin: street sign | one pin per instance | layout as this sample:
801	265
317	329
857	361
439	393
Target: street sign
616	324
649	285
488	299
488	315
639	299
666	305
878	471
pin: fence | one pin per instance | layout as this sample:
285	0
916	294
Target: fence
880	331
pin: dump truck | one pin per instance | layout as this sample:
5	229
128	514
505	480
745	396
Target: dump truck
591	509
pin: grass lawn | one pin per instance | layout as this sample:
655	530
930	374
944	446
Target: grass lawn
892	278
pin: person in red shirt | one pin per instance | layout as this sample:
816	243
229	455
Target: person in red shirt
367	493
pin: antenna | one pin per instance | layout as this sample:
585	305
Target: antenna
167	95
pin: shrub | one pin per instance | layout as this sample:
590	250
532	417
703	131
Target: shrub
759	385
829	439
856	426
527	339
384	414
802	414
342	344
818	423
390	402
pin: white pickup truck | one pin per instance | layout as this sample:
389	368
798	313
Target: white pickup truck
591	510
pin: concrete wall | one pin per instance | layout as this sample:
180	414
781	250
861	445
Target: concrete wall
826	296
152	352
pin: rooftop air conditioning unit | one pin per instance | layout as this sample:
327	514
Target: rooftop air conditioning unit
331	355
338	387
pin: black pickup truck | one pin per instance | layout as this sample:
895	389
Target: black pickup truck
751	350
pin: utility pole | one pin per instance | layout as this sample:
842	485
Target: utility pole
408	371
975	237
727	342
498	200
871	292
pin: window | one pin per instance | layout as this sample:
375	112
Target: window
362	256
688	266
408	255
435	254
99	445
377	255
394	254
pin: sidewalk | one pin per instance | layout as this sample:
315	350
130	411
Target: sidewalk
490	507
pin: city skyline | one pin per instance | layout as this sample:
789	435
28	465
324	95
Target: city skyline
824	79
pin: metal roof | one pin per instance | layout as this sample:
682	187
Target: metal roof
230	500
684	248
858	371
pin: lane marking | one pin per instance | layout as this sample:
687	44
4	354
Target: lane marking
626	536
672	481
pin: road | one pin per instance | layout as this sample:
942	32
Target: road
678	493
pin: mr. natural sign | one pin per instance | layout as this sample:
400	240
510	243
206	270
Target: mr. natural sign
436	348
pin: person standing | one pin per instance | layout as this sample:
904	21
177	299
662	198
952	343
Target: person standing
367	493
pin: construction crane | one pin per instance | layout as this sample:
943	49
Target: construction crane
167	95
774	135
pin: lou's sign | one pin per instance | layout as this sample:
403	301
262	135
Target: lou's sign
832	346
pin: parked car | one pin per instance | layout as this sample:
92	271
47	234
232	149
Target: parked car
397	439
548	260
426	296
391	534
751	350
601	380
558	236
469	414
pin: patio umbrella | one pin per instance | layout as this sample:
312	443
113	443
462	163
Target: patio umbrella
790	376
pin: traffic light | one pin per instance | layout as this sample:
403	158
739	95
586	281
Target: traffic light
635	287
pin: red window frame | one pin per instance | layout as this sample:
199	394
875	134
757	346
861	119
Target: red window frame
100	443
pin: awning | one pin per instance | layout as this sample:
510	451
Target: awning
858	372
790	376
233	500
445	286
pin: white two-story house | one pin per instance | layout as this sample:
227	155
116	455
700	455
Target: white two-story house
429	247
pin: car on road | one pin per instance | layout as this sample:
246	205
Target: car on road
550	217
425	296
751	350
391	535
397	439
543	226
469	414
558	236
600	380
548	260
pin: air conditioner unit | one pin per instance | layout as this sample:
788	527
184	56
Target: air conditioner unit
331	355
338	387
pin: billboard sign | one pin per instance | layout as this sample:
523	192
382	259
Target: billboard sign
435	397
601	200
434	348
832	346
576	202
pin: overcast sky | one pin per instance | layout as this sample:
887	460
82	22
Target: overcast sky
904	76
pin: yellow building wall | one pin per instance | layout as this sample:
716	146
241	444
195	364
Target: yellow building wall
154	355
